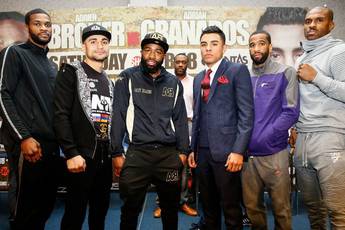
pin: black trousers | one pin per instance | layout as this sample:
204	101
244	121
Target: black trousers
219	190
92	188
35	187
143	166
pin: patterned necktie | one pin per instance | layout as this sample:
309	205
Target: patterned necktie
205	85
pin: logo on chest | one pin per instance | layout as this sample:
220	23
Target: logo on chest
168	92
100	102
141	90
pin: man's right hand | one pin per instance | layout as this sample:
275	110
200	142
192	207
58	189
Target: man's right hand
292	137
191	160
31	149
76	164
117	164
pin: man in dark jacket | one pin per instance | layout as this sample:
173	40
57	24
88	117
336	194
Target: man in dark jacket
276	106
26	102
83	98
222	126
149	106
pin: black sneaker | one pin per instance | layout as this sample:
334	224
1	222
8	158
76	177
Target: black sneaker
246	221
199	225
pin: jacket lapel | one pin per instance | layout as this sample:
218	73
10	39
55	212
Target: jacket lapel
197	87
220	71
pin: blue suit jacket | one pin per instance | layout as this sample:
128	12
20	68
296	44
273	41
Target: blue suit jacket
230	110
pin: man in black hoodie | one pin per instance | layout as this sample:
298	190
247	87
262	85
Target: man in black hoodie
149	107
26	105
83	103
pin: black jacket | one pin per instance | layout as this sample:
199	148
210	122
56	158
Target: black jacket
26	95
72	119
152	112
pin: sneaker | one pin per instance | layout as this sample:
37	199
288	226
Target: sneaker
246	221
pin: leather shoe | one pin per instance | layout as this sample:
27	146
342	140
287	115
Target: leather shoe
188	210
157	212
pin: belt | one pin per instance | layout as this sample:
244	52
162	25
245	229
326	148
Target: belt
150	146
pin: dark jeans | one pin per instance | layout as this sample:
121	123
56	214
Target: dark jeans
143	166
92	188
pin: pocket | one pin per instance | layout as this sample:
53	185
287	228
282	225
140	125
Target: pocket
277	137
33	115
229	129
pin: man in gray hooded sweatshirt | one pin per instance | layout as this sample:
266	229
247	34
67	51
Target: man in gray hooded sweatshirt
320	146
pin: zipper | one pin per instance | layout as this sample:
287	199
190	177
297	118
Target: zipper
155	122
255	86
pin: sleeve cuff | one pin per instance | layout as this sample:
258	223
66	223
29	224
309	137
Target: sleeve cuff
320	81
71	153
118	153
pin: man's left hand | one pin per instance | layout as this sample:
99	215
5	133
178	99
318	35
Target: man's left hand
306	72
118	162
183	158
234	162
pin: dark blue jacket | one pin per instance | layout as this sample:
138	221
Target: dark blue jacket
151	111
230	111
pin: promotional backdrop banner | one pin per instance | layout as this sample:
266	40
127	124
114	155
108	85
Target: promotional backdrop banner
181	26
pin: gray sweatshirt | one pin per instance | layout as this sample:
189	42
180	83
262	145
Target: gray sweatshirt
323	99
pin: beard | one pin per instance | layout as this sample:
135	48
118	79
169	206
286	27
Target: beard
150	69
38	40
181	72
99	59
261	60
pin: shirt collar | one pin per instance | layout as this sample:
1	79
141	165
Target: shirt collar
215	66
37	49
262	69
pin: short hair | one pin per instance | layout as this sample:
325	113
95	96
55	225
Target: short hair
325	8
32	12
183	54
330	13
211	30
268	36
282	16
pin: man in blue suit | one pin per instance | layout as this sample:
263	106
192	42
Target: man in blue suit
222	126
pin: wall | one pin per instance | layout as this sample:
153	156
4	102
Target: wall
24	5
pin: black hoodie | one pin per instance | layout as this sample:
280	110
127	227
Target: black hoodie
27	80
158	113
